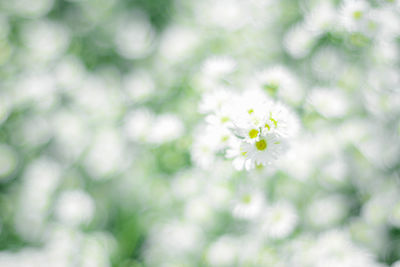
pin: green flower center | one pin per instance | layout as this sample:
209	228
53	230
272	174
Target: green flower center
271	88
224	119
225	138
274	121
261	145
253	133
246	199
357	14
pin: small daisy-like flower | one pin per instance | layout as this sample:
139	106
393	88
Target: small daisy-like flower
322	17
214	100
248	205
280	220
299	40
329	102
279	81
265	150
353	14
217	66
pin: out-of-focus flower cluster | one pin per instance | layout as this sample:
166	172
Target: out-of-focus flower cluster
200	133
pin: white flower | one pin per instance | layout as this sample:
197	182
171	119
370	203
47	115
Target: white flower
137	125
322	17
333	207
74	207
299	41
327	63
353	14
229	15
329	102
205	146
139	85
215	100
45	40
248	205
223	252
165	128
218	66
134	36
107	154
280	220
250	126
265	150
177	43
279	80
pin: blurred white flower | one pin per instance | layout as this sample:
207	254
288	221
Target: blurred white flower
215	100
71	133
30	9
138	123
279	220
205	146
322	17
69	73
35	131
279	80
223	251
353	14
172	240
218	66
329	102
134	36
106	155
177	42
74	207
165	128
139	85
40	180
227	14
333	207
36	88
45	39
299	41
327	63
248	205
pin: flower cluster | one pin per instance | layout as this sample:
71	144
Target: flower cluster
249	127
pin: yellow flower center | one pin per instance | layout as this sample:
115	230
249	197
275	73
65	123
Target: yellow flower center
261	145
267	126
250	111
224	119
259	166
253	133
357	14
246	199
225	138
